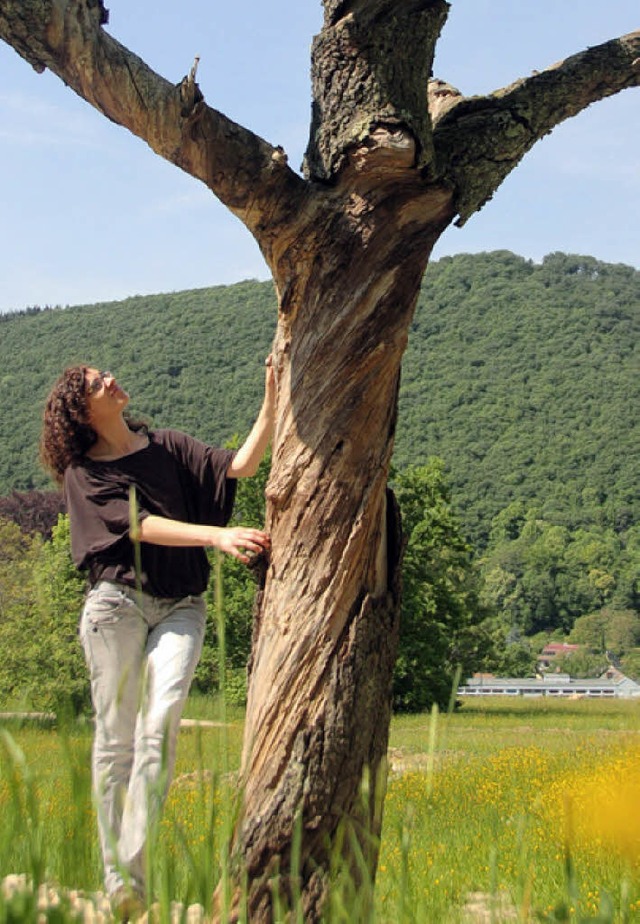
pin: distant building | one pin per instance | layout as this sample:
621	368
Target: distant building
611	685
554	650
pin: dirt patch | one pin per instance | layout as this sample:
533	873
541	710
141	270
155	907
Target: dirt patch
482	908
86	908
401	761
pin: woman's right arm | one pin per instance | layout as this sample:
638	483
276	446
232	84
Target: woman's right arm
234	540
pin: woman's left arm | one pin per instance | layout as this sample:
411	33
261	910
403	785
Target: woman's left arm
248	457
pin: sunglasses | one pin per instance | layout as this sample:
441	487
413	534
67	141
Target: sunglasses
97	382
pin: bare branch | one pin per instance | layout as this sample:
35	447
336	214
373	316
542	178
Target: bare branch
479	140
248	174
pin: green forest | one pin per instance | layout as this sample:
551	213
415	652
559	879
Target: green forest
522	377
518	423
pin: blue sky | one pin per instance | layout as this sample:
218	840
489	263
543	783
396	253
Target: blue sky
90	214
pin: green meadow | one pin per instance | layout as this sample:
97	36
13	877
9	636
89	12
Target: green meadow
505	810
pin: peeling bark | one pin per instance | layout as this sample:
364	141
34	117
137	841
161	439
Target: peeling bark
391	160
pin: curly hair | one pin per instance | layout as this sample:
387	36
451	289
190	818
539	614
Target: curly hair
66	432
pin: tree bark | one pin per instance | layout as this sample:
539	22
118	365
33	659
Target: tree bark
360	81
392	159
324	647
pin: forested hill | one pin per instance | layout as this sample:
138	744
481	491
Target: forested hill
525	378
522	377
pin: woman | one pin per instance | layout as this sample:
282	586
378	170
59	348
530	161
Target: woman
143	621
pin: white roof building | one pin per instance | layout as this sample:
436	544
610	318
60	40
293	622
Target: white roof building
611	684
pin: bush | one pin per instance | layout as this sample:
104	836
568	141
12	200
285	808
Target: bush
42	597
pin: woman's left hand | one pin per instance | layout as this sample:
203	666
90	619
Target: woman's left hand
238	540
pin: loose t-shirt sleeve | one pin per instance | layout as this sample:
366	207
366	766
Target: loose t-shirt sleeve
98	506
211	492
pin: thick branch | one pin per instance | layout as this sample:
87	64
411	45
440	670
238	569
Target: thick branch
66	36
370	68
479	140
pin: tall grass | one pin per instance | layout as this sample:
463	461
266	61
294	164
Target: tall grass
504	811
496	820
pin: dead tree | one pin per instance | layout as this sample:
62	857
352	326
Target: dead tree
393	158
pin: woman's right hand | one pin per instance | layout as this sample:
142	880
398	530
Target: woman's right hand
270	386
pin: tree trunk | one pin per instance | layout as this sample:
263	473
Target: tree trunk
327	625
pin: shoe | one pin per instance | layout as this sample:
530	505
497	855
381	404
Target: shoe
126	905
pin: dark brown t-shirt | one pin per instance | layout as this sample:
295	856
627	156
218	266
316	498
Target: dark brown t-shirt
175	476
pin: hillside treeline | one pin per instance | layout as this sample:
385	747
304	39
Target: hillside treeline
521	377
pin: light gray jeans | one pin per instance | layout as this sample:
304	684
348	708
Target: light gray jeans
142	652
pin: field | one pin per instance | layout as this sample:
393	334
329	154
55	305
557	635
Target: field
519	810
